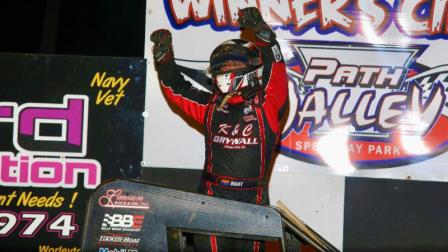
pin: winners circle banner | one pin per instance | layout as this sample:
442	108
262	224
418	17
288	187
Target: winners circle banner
66	124
367	82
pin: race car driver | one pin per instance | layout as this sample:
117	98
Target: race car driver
241	117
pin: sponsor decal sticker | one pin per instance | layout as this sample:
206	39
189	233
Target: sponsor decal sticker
116	198
116	250
231	183
277	54
122	222
118	240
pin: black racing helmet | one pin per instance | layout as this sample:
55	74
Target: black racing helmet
236	65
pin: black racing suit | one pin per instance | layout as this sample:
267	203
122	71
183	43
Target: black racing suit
240	139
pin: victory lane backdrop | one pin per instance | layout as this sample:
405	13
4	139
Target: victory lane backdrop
67	123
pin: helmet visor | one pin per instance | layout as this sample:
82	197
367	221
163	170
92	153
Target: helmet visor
230	66
235	61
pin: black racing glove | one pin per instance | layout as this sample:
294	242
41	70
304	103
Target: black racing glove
163	48
251	18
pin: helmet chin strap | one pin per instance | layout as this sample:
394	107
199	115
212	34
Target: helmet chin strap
226	99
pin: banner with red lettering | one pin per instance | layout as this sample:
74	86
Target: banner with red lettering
66	124
367	83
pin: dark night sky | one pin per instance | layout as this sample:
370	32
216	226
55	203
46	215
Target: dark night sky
73	27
